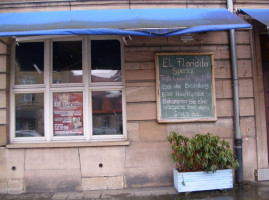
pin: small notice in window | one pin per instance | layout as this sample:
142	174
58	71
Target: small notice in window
68	114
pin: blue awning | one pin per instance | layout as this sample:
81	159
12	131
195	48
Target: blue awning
144	22
261	15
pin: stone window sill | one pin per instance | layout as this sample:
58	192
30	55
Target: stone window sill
67	144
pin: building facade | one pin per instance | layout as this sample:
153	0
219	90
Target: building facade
80	112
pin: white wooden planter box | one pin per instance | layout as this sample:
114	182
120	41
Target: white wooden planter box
199	181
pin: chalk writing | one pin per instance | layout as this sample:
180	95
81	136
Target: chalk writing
185	87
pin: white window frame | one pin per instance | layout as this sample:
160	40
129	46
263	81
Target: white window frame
48	88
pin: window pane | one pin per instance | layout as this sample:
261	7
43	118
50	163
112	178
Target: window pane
106	61
29	115
67	62
68	113
107	112
29	65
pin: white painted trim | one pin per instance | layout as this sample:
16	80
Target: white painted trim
47	80
42	37
48	88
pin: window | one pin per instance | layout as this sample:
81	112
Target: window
67	89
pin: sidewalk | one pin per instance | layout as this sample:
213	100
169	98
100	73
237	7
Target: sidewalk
249	191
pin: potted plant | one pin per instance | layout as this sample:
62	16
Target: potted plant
204	162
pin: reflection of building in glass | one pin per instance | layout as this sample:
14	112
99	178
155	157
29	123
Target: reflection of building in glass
29	115
107	112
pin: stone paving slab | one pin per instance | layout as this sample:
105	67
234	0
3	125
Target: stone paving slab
252	191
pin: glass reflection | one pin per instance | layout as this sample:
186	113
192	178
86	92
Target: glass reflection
67	62
105	61
29	63
107	112
29	115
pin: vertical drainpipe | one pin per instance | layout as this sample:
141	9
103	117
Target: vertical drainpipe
238	138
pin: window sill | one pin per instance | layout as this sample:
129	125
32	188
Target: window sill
67	144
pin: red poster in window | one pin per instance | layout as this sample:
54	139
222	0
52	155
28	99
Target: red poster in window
68	113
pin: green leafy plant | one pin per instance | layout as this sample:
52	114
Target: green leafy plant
201	153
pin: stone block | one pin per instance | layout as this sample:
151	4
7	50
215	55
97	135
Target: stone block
75	195
140	94
249	158
216	38
224	108
117	194
223	89
6	40
222	69
243	51
223	127
139	56
155	176
3	135
153	131
147	41
132	66
246	107
59	196
3	48
147	65
141	84
15	186
145	154
242	37
3	186
219	89
247	126
221	53
3	116
188	129
159	191
139	75
116	182
52	180
146	49
141	111
92	194
3	81
10	159
246	88
62	158
3	63
227	89
133	131
3	99
244	68
95	183
102	161
171	49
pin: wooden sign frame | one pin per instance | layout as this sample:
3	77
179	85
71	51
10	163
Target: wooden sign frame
158	97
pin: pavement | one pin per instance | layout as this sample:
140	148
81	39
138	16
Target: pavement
246	191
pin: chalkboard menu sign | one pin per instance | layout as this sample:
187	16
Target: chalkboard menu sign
185	87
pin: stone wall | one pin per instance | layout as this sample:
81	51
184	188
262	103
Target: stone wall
4	88
143	129
145	162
